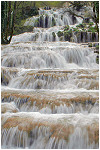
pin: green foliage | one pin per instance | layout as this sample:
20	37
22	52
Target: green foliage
80	26
7	20
91	23
76	29
21	28
92	29
60	33
66	28
49	3
97	46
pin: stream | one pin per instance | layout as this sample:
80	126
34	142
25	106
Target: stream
50	88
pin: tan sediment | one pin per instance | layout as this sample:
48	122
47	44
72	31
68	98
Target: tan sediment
8	107
93	133
59	129
28	124
51	100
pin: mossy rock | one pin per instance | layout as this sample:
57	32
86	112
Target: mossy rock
61	38
91	23
36	24
68	35
54	36
80	26
75	30
97	46
66	28
92	29
97	59
90	45
60	33
53	22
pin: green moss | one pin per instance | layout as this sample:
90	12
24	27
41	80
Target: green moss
68	35
66	28
53	33
60	33
61	38
97	60
97	46
90	45
75	29
90	23
92	29
80	26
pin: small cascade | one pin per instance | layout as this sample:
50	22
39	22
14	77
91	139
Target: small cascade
51	35
59	131
83	37
50	86
51	102
51	58
49	18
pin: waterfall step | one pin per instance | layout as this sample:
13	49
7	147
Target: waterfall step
50	101
50	79
59	131
59	55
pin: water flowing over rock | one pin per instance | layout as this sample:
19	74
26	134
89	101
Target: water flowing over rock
50	88
50	22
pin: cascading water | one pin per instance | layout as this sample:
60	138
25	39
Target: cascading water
50	89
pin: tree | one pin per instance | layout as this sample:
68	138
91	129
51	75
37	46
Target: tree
8	13
96	14
77	5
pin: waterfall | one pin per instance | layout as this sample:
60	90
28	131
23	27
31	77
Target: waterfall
50	88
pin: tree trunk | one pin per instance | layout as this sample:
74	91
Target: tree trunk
13	21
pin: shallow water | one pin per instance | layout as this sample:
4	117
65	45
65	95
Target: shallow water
49	92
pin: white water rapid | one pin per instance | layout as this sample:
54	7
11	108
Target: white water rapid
50	89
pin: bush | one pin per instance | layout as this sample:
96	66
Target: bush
18	29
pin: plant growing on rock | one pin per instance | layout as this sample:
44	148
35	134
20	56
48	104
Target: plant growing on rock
60	33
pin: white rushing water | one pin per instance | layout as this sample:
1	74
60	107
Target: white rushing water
50	89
